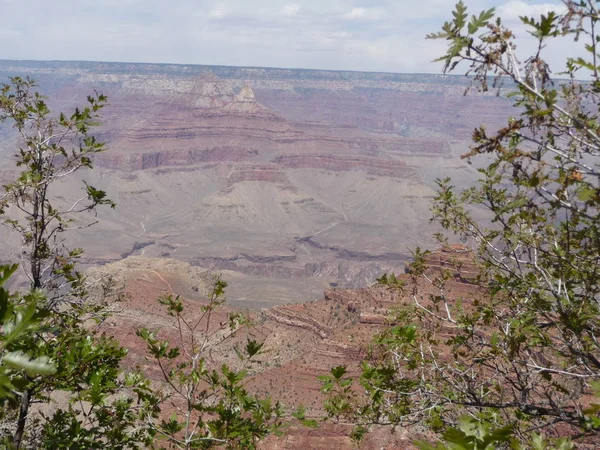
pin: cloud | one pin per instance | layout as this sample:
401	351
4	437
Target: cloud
340	35
374	35
364	14
511	11
13	34
219	12
291	10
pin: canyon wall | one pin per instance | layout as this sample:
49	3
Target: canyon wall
318	177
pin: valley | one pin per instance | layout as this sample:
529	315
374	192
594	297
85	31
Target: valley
299	188
195	255
278	177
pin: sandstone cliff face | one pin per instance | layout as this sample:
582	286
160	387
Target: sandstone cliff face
261	173
245	102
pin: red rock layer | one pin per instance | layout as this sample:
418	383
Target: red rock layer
153	160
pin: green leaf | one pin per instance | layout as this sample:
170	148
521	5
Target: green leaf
477	23
586	193
422	445
6	272
253	348
338	372
460	15
32	366
511	206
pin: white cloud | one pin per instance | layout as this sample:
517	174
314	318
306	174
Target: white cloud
376	35
511	11
10	34
340	35
364	14
220	11
291	10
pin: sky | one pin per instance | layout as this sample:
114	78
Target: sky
363	35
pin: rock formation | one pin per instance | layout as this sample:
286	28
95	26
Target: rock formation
308	177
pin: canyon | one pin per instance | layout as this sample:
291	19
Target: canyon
299	187
281	177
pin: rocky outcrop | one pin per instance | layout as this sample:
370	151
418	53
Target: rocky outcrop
367	300
378	145
374	319
303	341
262	173
458	260
332	350
293	319
245	103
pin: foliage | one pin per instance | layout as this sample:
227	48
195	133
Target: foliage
521	354
214	408
300	415
51	349
17	321
390	279
54	148
48	356
481	434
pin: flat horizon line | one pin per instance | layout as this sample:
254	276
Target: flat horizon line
225	66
